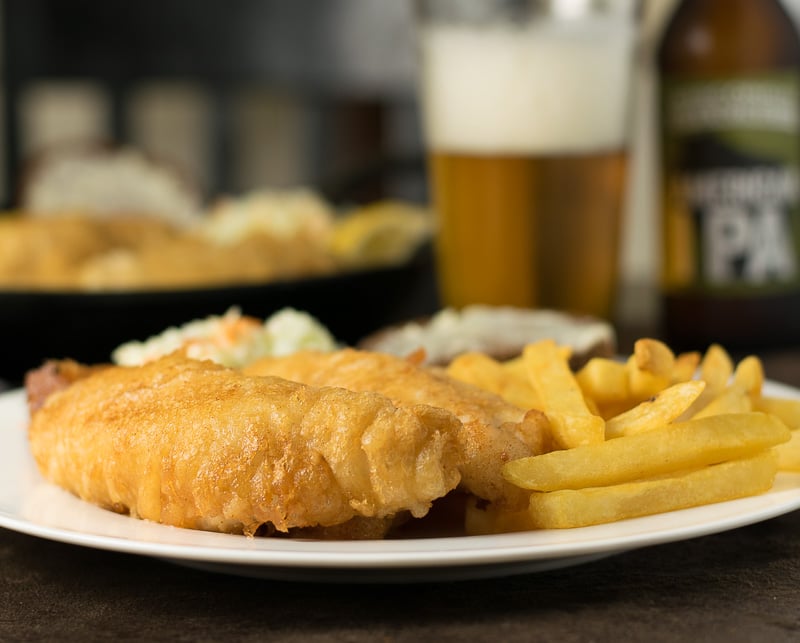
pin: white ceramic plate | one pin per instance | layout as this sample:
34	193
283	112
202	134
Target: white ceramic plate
32	506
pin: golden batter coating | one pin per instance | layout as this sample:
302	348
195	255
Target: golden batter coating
492	432
194	444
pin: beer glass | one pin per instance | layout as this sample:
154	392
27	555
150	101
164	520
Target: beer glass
525	105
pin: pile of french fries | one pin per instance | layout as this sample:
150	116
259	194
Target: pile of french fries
654	433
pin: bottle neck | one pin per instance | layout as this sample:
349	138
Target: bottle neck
729	36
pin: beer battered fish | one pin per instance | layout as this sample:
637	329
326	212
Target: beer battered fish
194	444
492	431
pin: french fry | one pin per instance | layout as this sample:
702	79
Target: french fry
617	387
685	367
749	376
604	380
654	433
716	370
583	507
786	409
653	356
516	366
650	368
789	453
657	411
519	389
733	399
741	394
472	368
487	373
686	445
572	422
613	409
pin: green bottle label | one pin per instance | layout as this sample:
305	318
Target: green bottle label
731	155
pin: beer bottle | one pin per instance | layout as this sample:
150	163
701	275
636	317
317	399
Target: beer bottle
729	80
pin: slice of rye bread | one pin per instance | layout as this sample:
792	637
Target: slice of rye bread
501	332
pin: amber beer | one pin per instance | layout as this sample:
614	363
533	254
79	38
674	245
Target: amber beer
552	238
527	149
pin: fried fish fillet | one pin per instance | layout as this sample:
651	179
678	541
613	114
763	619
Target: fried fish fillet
194	444
492	431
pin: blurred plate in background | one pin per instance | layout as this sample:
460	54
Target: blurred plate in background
88	326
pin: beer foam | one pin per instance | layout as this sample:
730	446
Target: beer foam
554	87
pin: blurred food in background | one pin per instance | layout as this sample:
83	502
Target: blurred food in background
383	232
118	221
107	182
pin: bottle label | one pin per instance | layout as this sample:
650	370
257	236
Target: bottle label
731	155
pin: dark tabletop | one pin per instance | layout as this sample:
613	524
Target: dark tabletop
741	585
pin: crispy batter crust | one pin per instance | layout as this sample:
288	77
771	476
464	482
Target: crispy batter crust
492	431
196	445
